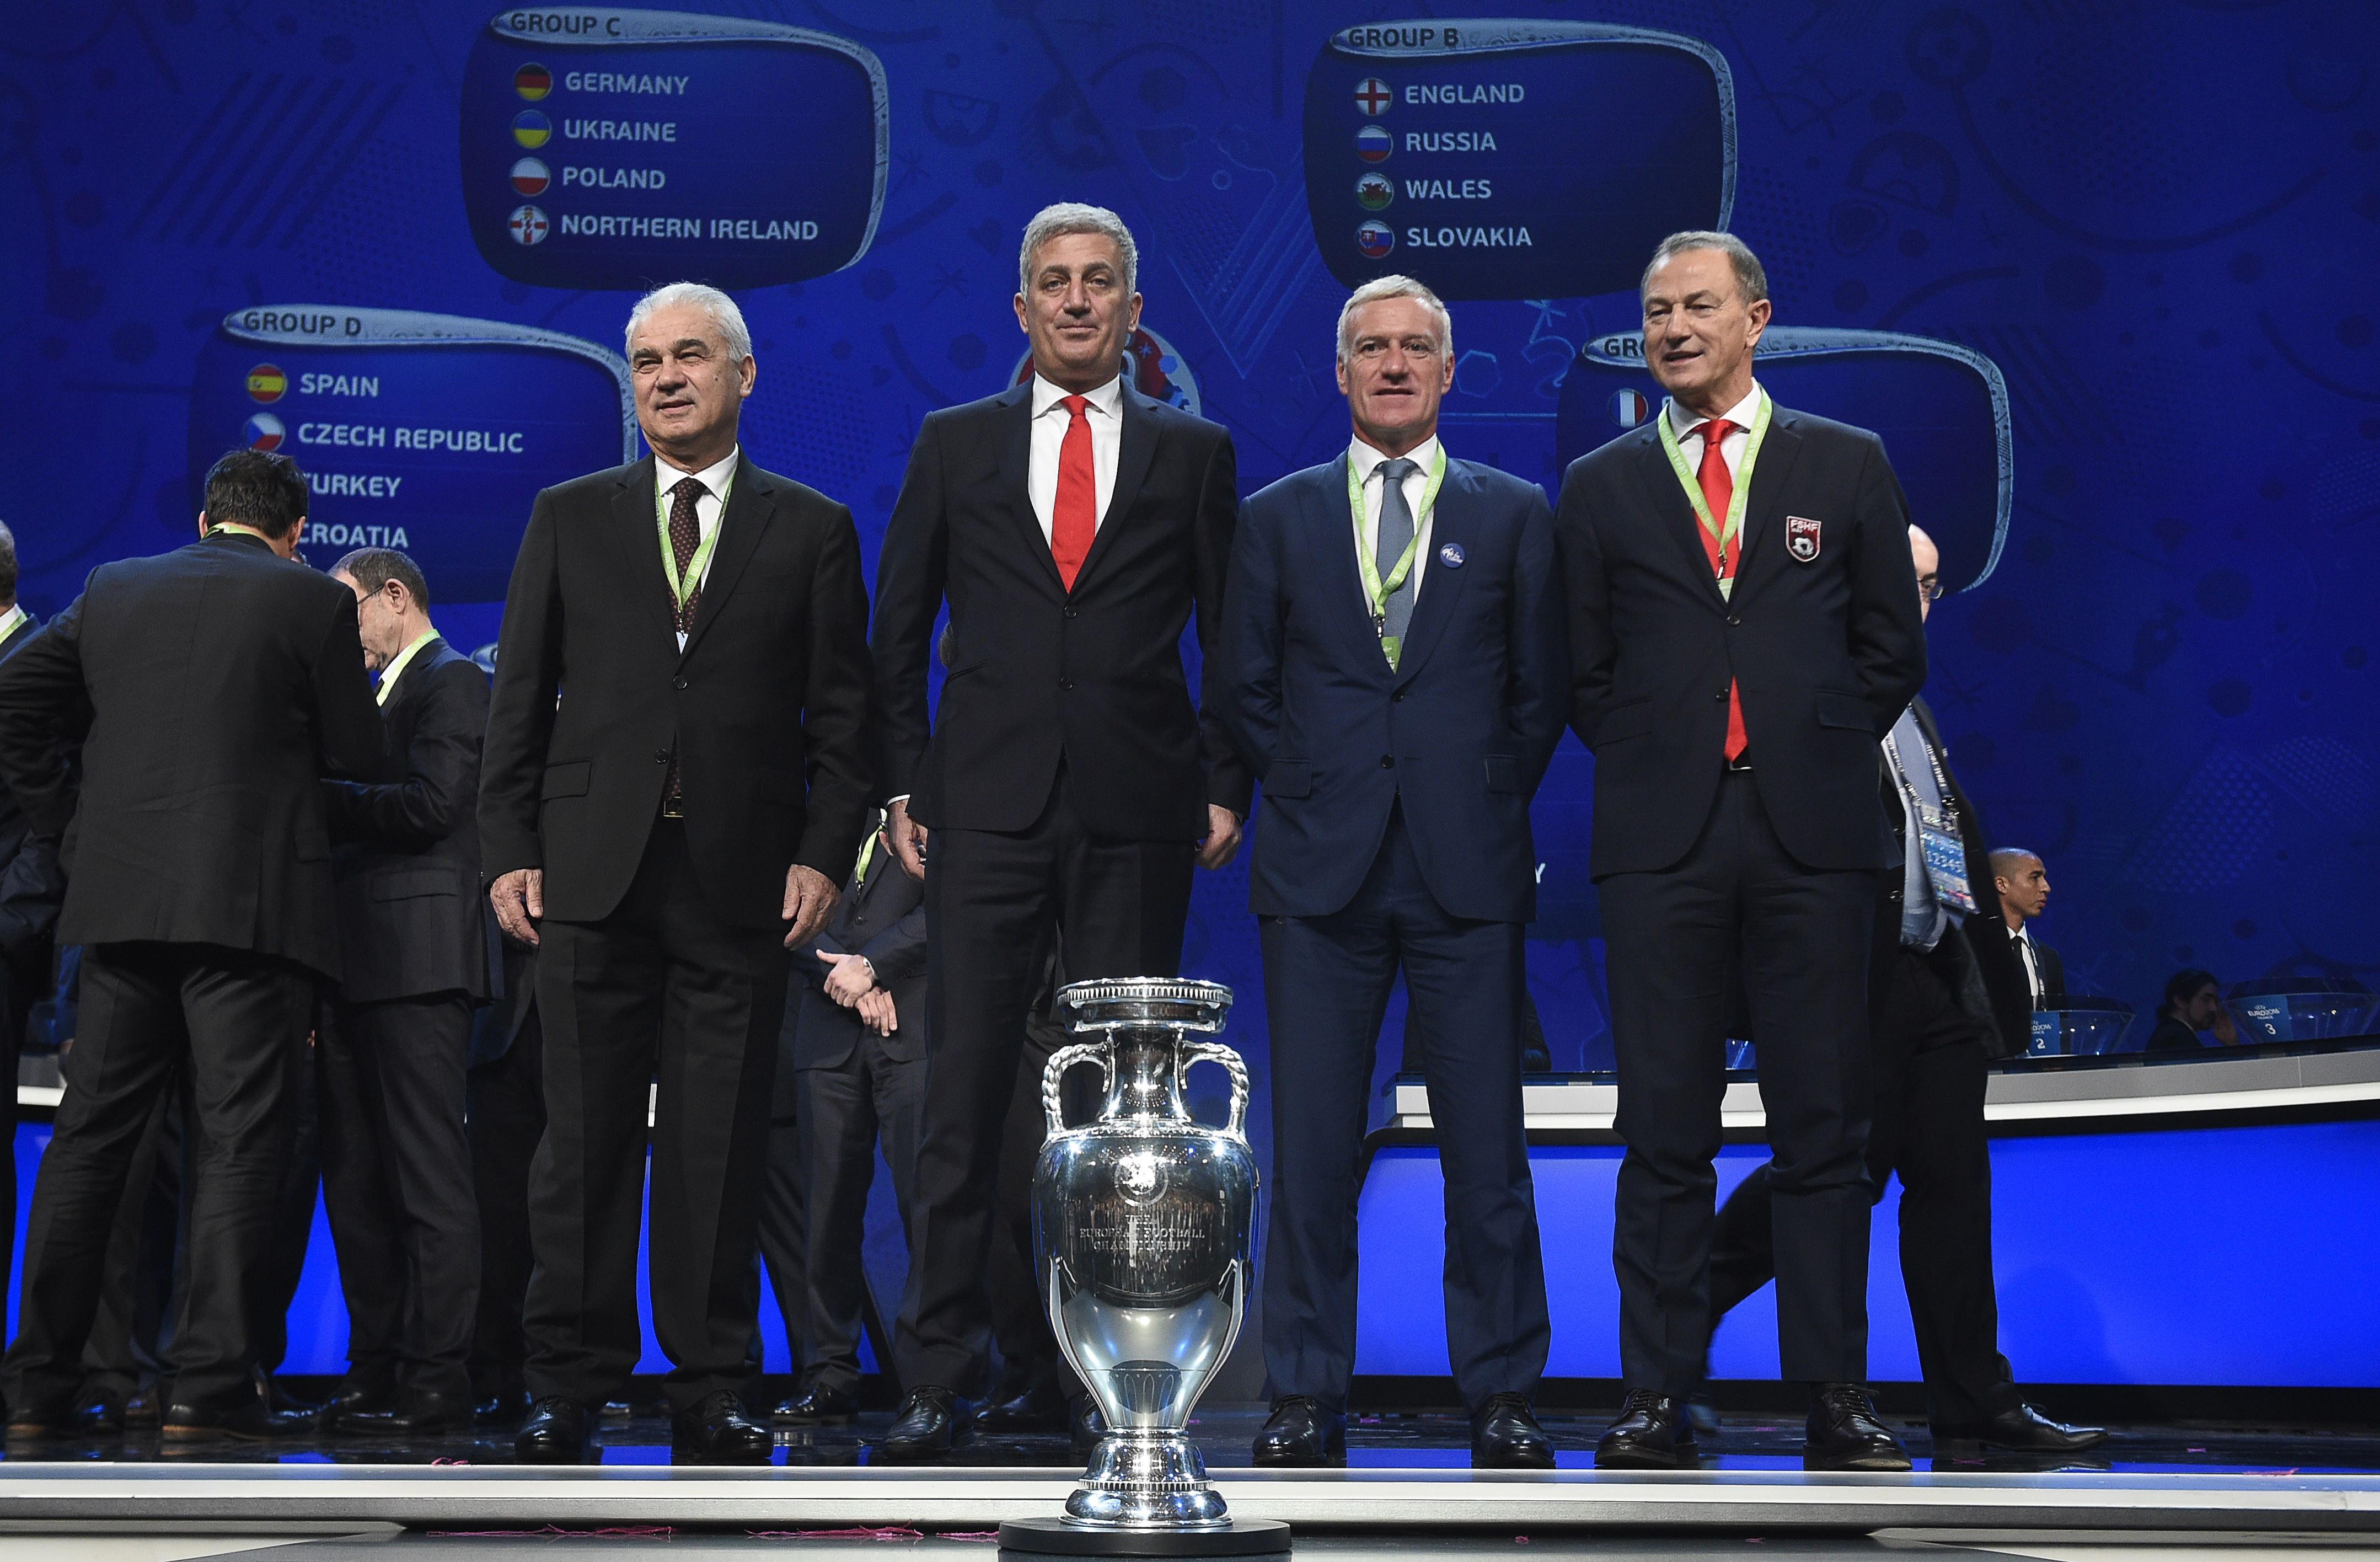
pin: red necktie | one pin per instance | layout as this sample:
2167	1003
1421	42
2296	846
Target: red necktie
1074	519
1719	492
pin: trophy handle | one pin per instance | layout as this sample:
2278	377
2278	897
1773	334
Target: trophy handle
1065	1057
1216	1052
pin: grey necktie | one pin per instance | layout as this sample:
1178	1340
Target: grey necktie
1396	531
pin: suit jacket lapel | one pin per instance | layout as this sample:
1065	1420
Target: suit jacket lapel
636	533
1452	522
1329	534
1675	510
1015	420
1765	513
750	506
1136	448
408	682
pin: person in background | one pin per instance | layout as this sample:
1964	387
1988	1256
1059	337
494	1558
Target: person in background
211	688
2020	973
392	1054
2194	1003
505	1092
31	889
1931	1036
855	1065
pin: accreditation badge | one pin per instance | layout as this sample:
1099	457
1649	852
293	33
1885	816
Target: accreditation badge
1946	865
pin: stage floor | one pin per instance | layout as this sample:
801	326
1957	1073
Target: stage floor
1408	1490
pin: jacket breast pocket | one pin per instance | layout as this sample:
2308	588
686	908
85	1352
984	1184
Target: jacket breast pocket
1836	708
1289	778
570	779
1503	774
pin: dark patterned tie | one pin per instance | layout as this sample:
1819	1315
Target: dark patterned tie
686	535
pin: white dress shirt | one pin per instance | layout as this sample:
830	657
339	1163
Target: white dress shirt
2032	965
1731	449
1366	462
708	504
1104	413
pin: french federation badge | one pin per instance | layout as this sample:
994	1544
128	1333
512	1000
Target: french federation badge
1451	556
1802	538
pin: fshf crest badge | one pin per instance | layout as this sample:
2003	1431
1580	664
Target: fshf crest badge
1802	538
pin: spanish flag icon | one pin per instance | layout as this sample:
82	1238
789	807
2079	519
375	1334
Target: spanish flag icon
532	82
267	383
532	130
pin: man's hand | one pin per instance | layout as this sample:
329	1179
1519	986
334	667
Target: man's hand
850	977
519	900
909	838
1222	840
809	899
2225	1032
876	1011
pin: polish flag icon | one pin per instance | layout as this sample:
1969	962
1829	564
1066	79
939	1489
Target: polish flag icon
530	176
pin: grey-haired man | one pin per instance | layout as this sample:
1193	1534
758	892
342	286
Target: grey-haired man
1068	776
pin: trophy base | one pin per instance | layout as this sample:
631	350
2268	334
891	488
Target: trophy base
1055	1537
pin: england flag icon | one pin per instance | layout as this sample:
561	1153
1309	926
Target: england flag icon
1374	97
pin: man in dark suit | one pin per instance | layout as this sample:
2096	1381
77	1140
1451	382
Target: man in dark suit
1072	524
209	688
2020	974
1399	680
31	888
1742	633
1932	1034
505	1090
855	1065
676	823
396	1159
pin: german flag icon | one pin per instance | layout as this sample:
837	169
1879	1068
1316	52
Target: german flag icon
532	82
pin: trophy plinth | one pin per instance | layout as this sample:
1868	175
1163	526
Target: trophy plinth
1144	1222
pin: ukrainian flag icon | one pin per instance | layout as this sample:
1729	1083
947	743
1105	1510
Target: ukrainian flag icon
531	128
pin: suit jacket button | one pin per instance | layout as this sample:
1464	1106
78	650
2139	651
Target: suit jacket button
1066	683
1397	697
1732	619
680	683
1388	761
661	756
1720	695
1072	612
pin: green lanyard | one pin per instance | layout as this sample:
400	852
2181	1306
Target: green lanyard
1376	591
683	586
1727	532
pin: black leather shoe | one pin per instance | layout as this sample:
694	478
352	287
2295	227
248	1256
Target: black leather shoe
355	1396
1504	1436
1844	1432
417	1413
930	1423
1040	1409
1084	1424
278	1399
1302	1435
714	1430
1651	1434
99	1413
555	1433
506	1407
31	1423
241	1413
140	1407
817	1406
2024	1430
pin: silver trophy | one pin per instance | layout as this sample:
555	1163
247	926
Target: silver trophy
1144	1226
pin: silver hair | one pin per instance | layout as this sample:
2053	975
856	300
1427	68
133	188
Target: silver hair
1381	287
1073	216
1750	281
724	315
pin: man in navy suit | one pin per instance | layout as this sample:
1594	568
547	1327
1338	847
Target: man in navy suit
1742	635
1394	624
